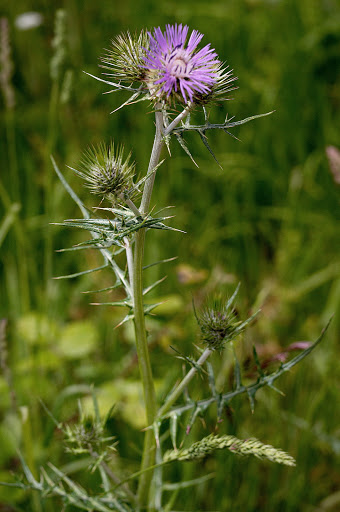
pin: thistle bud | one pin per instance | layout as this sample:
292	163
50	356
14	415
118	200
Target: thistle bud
106	173
218	322
125	58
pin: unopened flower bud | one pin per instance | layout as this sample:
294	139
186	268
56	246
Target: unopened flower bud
218	322
125	58
105	171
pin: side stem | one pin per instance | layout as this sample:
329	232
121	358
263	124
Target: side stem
183	384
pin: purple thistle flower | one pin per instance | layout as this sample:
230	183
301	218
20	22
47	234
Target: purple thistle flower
176	69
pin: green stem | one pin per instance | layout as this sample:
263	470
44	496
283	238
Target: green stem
28	443
137	474
129	259
132	207
139	320
183	384
148	458
177	120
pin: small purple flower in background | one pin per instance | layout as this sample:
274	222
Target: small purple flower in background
177	68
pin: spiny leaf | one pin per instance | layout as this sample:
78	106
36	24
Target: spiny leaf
257	362
173	429
127	318
190	361
117	86
67	187
207	145
159	262
216	126
244	324
251	396
113	287
120	212
118	229
129	101
28	474
106	254
77	274
237	372
198	411
250	390
211	378
148	175
120	303
183	145
153	285
221	404
233	297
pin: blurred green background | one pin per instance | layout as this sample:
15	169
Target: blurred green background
268	219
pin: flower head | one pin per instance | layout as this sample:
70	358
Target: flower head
177	70
105	171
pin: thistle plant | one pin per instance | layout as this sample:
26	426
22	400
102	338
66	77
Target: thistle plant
169	71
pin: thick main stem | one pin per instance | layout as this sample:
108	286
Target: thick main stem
139	320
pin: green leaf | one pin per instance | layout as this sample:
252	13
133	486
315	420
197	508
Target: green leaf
78	339
188	483
8	220
153	285
37	329
173	429
184	146
159	262
169	304
117	86
250	390
207	145
84	272
67	187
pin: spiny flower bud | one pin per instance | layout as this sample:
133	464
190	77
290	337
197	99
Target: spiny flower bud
106	173
218	323
88	437
125	59
250	446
